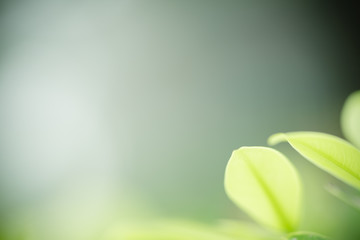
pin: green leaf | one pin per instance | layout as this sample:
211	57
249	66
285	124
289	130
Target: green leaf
350	118
328	152
263	183
306	236
352	200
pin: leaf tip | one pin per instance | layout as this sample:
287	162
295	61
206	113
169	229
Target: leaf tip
276	138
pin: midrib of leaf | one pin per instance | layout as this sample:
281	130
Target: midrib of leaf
281	215
331	159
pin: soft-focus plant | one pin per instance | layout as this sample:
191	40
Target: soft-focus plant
350	118
263	183
332	154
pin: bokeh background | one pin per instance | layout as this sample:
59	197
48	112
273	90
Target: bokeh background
116	111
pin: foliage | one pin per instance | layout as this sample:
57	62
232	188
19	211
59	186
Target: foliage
350	118
263	193
330	153
263	183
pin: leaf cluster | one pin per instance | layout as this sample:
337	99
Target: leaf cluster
263	182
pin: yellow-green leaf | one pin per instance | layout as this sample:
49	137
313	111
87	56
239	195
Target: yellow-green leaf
263	183
332	154
350	118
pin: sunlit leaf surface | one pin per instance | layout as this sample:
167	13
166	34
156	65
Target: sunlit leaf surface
350	118
306	236
328	152
263	183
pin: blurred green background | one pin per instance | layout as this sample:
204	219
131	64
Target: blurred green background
125	110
